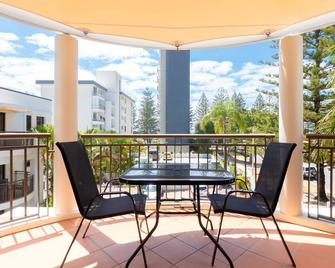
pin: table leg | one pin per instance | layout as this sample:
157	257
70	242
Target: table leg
158	202
202	214
208	233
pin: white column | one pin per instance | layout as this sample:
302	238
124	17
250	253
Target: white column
291	119
65	106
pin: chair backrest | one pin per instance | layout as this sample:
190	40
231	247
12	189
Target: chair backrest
272	174
80	173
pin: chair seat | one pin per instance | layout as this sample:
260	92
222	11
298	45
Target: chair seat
252	206
116	206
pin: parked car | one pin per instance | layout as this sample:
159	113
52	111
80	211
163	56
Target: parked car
313	173
167	156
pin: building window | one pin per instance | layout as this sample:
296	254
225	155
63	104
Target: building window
39	120
28	122
2	122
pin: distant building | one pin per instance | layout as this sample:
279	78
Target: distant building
21	111
91	102
111	80
174	92
127	106
99	103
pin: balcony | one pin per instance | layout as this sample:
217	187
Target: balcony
178	241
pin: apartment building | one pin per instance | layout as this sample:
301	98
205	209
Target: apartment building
91	102
127	106
99	103
20	112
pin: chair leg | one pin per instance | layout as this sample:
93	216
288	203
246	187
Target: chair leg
87	228
217	239
146	221
74	238
208	215
141	241
282	239
266	231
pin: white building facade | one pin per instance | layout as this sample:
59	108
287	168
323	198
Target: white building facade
21	111
127	108
101	104
91	102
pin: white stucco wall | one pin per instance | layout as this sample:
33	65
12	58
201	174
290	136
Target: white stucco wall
111	80
84	103
84	106
17	106
126	114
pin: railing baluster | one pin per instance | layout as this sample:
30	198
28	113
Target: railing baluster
11	188
38	176
331	183
25	182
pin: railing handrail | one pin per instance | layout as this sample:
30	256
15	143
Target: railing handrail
16	135
320	136
29	177
150	136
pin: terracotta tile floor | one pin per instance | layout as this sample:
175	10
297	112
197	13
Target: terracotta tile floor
177	242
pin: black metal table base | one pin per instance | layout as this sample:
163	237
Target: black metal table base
179	212
196	211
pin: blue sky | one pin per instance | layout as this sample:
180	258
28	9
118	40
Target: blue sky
26	55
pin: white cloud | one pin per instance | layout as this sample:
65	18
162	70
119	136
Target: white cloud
8	44
208	76
137	74
136	66
127	70
214	67
21	73
45	43
87	49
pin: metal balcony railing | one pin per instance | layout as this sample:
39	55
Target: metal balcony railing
112	154
319	172
17	187
25	193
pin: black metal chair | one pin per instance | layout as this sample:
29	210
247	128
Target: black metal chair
263	200
91	204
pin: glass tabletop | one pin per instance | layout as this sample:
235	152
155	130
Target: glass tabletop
174	173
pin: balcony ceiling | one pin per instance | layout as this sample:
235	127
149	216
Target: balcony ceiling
186	24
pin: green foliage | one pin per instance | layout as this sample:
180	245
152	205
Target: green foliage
221	96
238	100
192	115
226	117
111	159
318	69
202	108
47	160
259	103
262	121
241	183
147	122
